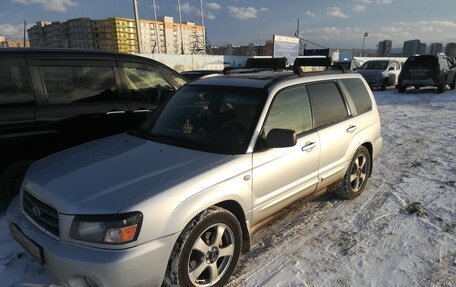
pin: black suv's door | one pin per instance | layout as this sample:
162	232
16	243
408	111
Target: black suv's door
146	87
17	113
79	101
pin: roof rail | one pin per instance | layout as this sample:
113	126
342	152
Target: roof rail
267	63
316	62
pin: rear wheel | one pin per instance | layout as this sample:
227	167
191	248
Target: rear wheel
442	87
11	179
207	251
355	179
384	84
401	89
453	85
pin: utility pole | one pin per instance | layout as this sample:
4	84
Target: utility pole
297	30
181	30
157	27
138	34
25	27
202	24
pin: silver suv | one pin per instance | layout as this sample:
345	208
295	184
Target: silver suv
175	202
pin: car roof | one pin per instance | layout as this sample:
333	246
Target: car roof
266	79
65	52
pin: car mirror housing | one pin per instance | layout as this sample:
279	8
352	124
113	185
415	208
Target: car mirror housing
280	138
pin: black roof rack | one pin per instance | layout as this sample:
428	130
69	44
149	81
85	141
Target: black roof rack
316	62
267	63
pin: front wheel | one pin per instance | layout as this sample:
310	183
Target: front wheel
401	89
355	179
442	87
453	85
207	251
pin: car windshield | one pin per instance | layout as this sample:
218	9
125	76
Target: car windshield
208	118
375	65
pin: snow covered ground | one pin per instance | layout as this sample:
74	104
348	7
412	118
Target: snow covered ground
399	232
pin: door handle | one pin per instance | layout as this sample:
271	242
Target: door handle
309	146
351	129
115	112
141	111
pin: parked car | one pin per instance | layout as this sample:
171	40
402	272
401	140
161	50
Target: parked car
175	202
348	65
427	70
380	73
196	74
51	100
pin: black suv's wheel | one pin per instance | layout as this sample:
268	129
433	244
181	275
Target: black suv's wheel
453	85
401	89
11	179
207	251
355	179
442	87
384	84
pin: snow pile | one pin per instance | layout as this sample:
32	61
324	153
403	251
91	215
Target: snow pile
400	232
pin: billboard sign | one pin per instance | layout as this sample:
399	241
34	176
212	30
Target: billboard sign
287	47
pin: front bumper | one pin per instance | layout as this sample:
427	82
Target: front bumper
71	264
375	82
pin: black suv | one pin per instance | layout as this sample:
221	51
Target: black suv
51	100
427	70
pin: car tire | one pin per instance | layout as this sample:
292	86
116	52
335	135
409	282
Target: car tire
401	89
357	175
197	252
11	179
442	87
453	85
384	84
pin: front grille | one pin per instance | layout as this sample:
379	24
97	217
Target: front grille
43	214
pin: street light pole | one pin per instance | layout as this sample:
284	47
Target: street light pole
138	35
181	30
364	40
157	28
202	24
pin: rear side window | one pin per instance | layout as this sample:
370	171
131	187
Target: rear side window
66	85
327	104
145	83
359	94
290	110
15	86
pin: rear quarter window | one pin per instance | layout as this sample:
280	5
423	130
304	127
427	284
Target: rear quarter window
327	103
359	94
15	86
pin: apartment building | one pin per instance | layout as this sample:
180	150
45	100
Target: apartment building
436	48
384	48
119	35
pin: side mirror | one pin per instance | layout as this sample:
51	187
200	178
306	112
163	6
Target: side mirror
278	138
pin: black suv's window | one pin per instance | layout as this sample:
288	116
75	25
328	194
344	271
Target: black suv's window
375	65
145	83
79	84
359	94
15	87
420	61
327	103
290	110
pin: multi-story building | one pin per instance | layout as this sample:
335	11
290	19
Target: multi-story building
422	48
436	48
251	49
119	35
384	48
2	41
411	47
450	49
13	43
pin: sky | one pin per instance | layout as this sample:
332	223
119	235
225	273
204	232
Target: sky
329	23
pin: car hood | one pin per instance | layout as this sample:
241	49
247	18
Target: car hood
100	177
370	73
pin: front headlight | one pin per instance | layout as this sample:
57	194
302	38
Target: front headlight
107	229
